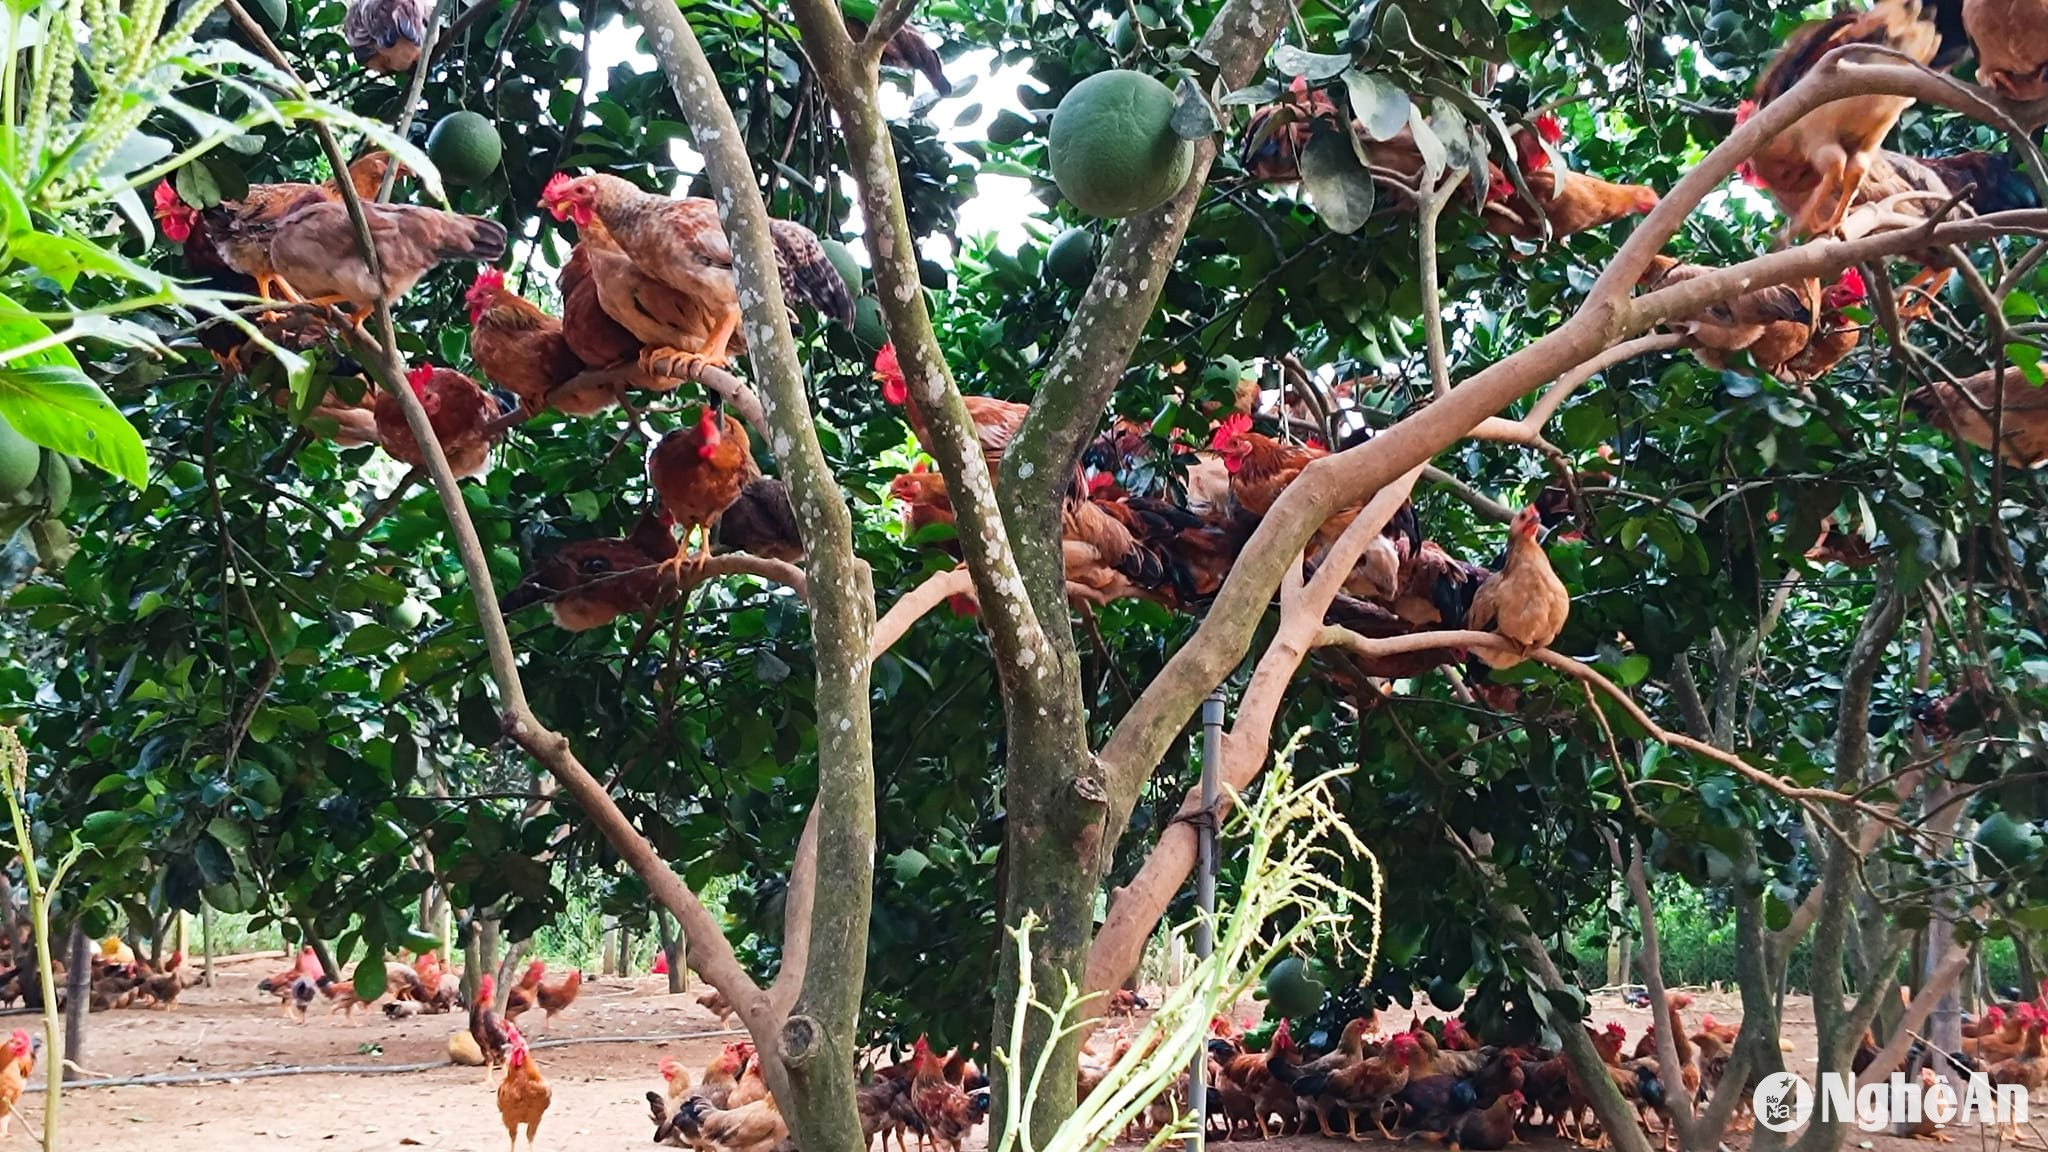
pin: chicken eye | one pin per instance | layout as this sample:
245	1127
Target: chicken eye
595	565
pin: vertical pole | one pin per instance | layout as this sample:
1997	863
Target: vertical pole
206	943
1205	896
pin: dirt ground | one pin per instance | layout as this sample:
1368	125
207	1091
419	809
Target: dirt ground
599	1088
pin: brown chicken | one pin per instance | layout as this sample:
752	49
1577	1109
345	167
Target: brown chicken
700	471
313	246
524	1094
486	1027
1964	410
1568	202
385	35
1771	324
1489	1128
752	1084
1367	1086
557	996
1814	168
212	244
1524	603
17	1062
459	411
682	245
522	349
2027	1068
522	995
721	1076
1350	1050
755	1127
1834	334
1261	468
2011	38
591	583
995	421
762	522
591	333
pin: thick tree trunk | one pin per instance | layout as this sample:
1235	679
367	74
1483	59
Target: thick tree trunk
672	951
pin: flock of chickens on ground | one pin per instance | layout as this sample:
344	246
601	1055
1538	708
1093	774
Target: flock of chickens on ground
648	293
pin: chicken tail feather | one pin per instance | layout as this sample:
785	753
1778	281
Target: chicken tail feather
808	274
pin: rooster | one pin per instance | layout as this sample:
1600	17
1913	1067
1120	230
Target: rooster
1524	602
995	421
460	412
1814	168
1964	409
521	348
524	1095
700	471
591	583
385	35
682	245
1261	468
1367	1086
487	1028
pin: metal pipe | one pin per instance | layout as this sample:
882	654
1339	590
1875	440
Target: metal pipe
1205	895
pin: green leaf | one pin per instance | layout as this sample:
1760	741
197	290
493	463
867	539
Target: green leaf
196	186
58	408
1193	118
1427	143
1312	66
1378	103
479	719
369	974
1337	184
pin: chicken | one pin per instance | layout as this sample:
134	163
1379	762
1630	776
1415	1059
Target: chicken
1556	1088
721	1076
1261	467
995	421
1772	324
161	988
341	997
591	583
762	522
521	995
700	471
714	1002
460	412
1996	184
385	35
2001	1043
944	1106
1964	409
756	1127
17	1062
676	1077
524	1094
557	997
1489	1128
313	245
522	349
1367	1086
1814	168
590	332
1834	335
908	50
682	245
1569	202
486	1027
1924	1128
1350	1050
1090	1074
751	1085
879	1111
1524	603
213	246
2011	39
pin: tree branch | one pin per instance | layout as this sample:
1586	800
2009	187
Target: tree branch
814	1043
1136	908
1432	210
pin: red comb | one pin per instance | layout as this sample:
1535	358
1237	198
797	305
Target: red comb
1744	111
1852	281
557	186
1235	424
419	378
1550	128
489	278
